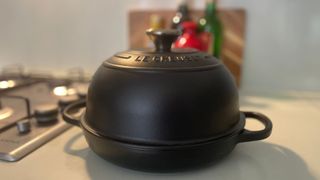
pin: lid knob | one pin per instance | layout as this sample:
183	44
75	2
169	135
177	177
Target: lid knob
163	38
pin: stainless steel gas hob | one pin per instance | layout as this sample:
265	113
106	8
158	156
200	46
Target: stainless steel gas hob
30	108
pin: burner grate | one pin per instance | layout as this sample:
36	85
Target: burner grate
7	117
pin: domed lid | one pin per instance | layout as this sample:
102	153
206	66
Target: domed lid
163	57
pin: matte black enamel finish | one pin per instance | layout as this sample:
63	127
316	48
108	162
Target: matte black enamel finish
161	158
167	158
163	110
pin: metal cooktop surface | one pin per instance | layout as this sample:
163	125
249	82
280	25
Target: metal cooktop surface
30	109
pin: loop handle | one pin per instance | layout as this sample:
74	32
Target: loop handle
247	135
67	115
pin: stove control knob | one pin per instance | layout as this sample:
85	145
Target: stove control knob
46	113
24	126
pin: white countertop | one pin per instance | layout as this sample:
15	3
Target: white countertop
291	152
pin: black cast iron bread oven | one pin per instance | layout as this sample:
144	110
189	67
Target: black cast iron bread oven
164	109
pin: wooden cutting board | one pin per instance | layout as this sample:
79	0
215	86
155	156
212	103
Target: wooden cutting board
233	21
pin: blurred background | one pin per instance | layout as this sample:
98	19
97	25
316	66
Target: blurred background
273	43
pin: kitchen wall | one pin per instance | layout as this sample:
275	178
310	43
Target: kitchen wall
59	34
282	41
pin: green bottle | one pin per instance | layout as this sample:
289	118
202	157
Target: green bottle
211	24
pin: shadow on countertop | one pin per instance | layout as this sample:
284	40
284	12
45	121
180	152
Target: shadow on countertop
256	160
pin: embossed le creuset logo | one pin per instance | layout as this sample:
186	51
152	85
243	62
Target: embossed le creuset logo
167	58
